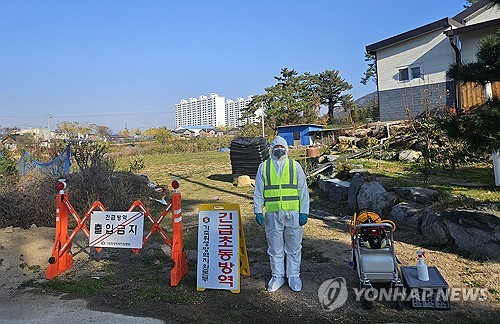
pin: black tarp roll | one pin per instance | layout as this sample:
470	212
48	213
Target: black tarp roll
246	154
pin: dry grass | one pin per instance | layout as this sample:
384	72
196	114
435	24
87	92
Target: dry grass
32	199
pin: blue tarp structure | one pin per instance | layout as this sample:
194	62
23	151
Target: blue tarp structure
57	167
297	135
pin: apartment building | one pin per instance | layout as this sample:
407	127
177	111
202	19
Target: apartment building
212	111
234	112
205	110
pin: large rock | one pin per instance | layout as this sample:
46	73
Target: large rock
434	229
336	189
409	156
474	231
363	172
416	194
393	199
378	132
398	129
372	196
407	215
352	194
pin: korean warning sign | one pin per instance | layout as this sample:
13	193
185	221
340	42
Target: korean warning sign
116	229
218	246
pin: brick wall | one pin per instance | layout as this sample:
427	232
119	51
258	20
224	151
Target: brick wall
393	103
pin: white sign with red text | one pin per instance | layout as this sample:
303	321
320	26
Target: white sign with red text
116	229
218	246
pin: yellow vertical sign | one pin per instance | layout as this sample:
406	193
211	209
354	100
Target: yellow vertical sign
222	252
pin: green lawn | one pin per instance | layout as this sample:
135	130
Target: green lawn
213	171
393	173
205	177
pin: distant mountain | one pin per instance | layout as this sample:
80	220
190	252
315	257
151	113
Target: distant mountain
366	99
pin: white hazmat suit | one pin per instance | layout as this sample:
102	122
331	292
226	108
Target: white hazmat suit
283	228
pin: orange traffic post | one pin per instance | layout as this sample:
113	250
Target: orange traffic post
179	257
61	260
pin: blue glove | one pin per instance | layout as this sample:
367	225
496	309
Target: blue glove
302	219
259	218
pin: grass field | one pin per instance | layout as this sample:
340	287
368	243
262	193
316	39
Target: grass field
212	170
205	177
393	173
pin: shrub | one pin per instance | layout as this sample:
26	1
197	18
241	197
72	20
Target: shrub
88	154
7	167
136	164
29	201
115	190
479	128
32	199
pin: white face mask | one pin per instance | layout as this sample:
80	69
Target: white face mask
279	152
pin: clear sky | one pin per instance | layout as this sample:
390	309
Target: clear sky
111	62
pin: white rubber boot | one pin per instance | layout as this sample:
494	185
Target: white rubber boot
275	283
295	283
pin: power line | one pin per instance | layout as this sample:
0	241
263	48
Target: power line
116	114
91	115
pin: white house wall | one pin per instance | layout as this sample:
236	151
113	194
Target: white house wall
470	42
434	54
493	12
431	50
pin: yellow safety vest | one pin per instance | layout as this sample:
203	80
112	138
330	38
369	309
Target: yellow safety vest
281	193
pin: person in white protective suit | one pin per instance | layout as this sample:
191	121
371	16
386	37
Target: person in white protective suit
281	189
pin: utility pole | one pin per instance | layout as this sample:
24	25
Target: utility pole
49	116
262	118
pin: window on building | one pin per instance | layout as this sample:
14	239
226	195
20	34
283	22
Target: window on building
415	72
408	73
403	75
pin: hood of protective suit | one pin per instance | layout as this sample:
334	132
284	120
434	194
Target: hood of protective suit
278	140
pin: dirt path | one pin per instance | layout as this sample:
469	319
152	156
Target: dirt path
325	254
120	281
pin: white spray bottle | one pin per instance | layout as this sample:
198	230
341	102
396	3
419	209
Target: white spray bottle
422	271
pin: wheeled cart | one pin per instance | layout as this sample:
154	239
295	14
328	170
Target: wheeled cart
374	258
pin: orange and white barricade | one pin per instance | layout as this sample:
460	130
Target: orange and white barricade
62	259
